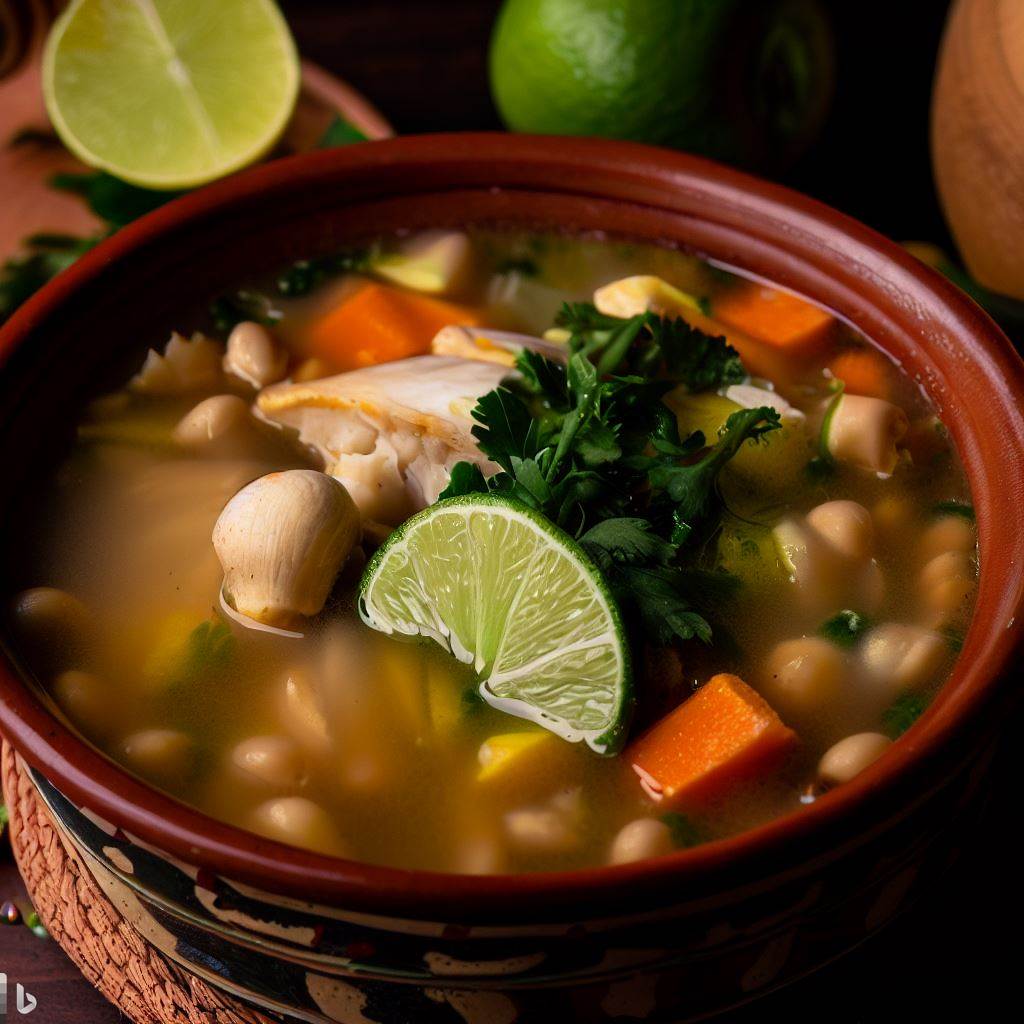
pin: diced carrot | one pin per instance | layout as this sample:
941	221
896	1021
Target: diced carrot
378	324
775	317
863	371
725	733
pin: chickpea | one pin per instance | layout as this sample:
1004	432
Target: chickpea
214	419
299	822
804	676
639	840
896	657
846	527
162	754
84	698
274	761
947	565
255	355
949	533
850	756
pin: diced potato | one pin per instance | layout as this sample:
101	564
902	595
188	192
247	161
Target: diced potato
748	552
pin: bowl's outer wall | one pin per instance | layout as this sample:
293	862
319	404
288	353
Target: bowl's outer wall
83	330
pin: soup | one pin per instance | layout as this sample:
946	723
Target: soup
495	552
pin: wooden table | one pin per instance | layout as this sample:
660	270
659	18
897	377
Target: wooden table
424	63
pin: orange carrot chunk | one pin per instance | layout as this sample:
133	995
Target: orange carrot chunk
378	324
724	734
775	317
864	372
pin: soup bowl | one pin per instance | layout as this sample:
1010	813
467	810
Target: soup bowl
677	937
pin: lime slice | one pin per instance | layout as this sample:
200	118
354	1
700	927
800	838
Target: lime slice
507	592
169	94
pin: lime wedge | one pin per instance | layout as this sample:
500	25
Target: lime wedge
169	94
507	592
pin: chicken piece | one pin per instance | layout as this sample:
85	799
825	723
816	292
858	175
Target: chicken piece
390	433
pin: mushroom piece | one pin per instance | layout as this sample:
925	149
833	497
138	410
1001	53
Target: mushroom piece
282	541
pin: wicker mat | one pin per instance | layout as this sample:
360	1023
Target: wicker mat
137	979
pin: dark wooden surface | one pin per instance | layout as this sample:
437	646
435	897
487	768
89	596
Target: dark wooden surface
424	64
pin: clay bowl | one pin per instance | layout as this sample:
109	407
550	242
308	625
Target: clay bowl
326	939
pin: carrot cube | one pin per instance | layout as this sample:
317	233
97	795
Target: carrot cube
378	324
725	733
864	372
774	317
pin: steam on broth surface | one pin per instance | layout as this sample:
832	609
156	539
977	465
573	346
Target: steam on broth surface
840	564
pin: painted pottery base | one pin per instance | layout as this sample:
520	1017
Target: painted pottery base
145	986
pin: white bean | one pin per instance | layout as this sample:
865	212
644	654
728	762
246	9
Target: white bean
255	355
299	822
850	756
896	657
302	714
639	840
548	828
846	527
163	754
48	615
84	698
271	760
214	419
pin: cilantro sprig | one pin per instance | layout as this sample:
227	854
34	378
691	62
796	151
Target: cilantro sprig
599	454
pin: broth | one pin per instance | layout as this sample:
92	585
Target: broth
349	741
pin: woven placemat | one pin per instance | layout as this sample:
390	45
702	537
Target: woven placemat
138	980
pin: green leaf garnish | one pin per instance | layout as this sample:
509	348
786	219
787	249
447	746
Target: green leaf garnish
110	198
304	276
953	508
45	256
682	829
845	628
226	311
340	133
903	713
648	343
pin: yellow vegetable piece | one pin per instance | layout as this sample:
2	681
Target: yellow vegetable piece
444	698
513	753
634	295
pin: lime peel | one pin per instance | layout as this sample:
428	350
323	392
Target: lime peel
504	590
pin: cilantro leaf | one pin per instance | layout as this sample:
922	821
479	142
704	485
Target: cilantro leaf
626	541
504	428
647	344
466	478
45	256
692	486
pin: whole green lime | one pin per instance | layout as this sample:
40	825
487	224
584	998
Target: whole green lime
733	79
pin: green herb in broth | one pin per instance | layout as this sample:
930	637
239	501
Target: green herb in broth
385	739
845	628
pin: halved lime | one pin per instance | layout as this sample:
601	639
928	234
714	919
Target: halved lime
506	591
170	94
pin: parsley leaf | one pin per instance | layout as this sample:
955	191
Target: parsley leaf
45	256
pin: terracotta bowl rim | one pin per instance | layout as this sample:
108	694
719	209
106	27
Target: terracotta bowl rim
89	778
